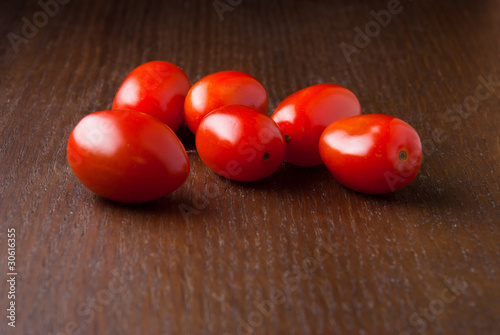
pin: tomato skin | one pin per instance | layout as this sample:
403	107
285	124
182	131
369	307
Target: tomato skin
240	143
127	156
156	88
371	153
304	115
220	89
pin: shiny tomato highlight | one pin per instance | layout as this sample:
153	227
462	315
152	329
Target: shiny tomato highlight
240	143
372	153
127	156
221	89
304	115
156	88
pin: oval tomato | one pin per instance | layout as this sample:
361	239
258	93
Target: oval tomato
304	115
240	143
372	153
221	89
156	88
127	156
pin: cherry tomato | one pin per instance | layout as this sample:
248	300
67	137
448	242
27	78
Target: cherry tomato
372	153
156	88
304	115
240	143
127	156
221	89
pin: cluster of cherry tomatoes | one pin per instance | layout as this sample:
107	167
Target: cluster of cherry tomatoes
132	154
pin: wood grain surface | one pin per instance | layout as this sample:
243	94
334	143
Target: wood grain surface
295	253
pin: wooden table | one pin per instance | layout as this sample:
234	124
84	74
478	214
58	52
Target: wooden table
296	253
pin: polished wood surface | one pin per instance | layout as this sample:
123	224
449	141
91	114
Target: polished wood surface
296	253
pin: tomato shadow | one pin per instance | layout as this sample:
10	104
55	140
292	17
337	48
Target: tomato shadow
168	207
424	194
187	138
290	178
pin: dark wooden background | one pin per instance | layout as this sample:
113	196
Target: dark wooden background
220	257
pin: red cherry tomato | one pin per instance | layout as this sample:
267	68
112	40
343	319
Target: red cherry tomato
240	143
304	115
156	88
127	156
221	89
371	153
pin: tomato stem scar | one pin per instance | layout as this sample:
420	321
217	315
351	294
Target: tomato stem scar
287	138
266	156
402	155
